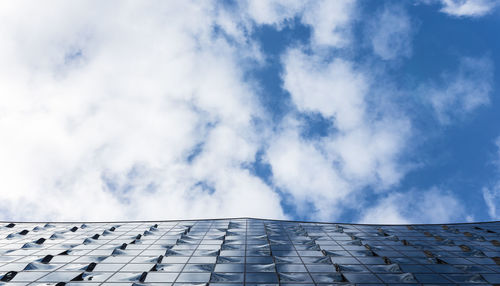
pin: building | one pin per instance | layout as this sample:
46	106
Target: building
248	251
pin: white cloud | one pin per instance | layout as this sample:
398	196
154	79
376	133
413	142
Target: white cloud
334	89
100	110
468	8
136	110
430	206
461	92
370	155
143	111
363	146
331	22
491	195
363	150
391	33
301	169
274	12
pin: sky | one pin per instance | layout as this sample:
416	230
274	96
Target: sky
341	111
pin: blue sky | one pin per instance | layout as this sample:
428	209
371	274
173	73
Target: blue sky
352	111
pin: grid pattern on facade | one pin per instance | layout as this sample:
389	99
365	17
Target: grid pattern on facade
248	252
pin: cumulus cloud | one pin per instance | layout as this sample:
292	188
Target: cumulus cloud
301	169
145	111
137	111
334	89
101	109
366	147
459	93
363	150
391	33
468	8
416	206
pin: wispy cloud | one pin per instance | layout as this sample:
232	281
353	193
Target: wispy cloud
274	12
460	92
331	22
416	206
491	197
391	33
468	8
491	194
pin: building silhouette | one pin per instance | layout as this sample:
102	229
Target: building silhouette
247	251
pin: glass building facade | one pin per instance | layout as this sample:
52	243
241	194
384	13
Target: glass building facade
247	251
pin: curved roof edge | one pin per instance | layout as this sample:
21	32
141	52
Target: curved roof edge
256	218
